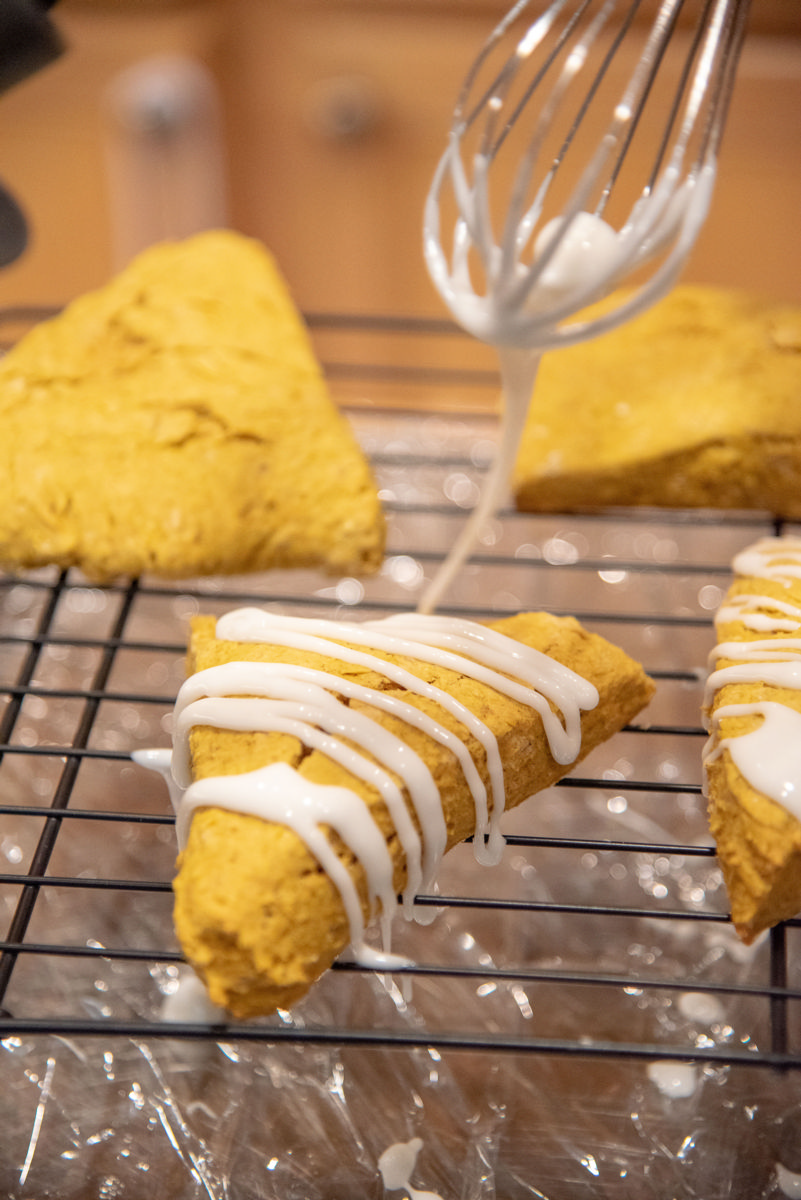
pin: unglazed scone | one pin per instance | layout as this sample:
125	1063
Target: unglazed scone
752	760
429	701
696	403
177	422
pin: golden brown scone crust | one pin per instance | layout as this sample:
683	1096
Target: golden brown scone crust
255	915
696	403
176	422
758	840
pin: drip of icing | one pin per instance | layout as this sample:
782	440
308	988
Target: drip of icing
701	1006
160	761
575	259
304	702
767	756
789	1182
190	1002
518	376
674	1079
396	1165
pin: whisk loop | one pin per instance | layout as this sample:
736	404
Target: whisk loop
530	285
569	173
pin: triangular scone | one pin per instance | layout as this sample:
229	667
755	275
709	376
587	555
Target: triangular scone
752	760
177	422
255	912
696	403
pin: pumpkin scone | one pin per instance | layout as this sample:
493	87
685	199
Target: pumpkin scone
177	422
752	761
328	766
694	404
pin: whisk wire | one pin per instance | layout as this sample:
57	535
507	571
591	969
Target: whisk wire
667	210
542	275
718	66
504	81
635	104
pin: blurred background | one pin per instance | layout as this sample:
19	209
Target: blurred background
315	126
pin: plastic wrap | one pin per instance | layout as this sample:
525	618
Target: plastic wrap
580	1020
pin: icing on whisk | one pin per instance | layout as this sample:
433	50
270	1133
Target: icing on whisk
576	162
315	706
767	755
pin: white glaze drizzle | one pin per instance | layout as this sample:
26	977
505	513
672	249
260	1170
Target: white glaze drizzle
580	258
518	374
760	561
747	609
271	683
760	650
304	702
766	756
776	674
426	639
279	793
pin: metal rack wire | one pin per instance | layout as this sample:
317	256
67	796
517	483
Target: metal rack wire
608	898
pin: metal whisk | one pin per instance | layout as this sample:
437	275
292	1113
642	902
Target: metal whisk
564	106
582	157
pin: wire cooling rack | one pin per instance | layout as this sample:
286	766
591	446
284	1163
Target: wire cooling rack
603	933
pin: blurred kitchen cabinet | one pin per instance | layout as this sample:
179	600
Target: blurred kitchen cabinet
57	145
338	112
333	114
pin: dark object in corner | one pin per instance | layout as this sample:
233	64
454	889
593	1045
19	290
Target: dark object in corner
28	41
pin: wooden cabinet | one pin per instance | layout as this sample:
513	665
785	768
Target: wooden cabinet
343	203
333	115
54	138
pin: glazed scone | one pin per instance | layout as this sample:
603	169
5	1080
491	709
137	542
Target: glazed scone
257	915
177	422
695	403
752	761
